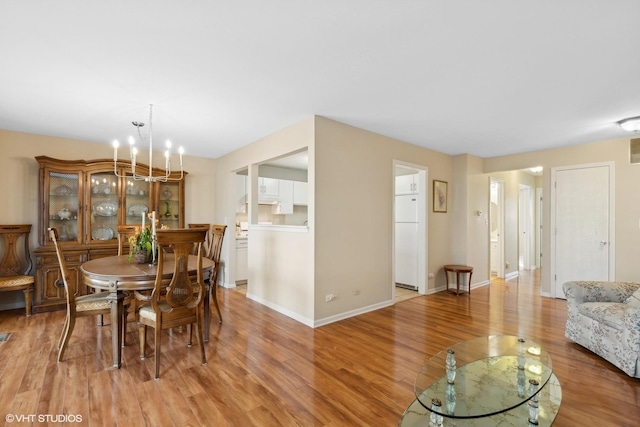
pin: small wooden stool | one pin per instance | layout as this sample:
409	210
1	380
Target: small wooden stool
459	270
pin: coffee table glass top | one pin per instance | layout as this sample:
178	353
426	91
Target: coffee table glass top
488	378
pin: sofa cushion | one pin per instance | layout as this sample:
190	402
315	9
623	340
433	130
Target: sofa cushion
609	313
634	298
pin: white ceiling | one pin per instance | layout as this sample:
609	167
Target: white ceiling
486	77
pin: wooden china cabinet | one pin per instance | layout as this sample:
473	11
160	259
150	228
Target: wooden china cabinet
86	201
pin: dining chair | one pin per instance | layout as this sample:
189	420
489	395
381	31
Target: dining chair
124	232
213	249
140	297
80	306
15	264
205	245
179	302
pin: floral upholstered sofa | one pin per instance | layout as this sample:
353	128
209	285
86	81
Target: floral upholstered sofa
605	318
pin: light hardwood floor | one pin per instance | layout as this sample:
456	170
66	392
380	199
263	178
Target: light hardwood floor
265	369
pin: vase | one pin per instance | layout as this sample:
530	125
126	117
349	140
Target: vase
142	257
451	366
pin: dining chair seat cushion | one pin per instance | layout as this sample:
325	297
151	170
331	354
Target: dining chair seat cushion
146	311
11	281
95	301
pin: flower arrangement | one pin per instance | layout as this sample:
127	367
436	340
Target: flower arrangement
141	241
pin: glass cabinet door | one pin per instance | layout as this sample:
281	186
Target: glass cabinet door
64	205
136	201
103	207
169	204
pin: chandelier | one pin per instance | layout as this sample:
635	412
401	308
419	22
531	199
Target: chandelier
133	151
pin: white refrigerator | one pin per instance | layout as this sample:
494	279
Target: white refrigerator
406	252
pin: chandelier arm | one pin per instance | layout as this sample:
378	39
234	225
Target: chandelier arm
150	142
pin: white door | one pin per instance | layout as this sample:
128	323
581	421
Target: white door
582	224
525	226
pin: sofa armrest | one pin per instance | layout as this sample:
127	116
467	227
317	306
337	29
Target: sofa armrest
578	292
631	329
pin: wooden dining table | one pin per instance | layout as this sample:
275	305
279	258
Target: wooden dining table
118	275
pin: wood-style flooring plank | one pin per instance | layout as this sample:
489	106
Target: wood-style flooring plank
265	369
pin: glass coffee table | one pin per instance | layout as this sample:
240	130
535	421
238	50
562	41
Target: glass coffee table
494	380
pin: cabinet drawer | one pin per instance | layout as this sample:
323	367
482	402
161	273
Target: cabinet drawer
242	244
101	253
70	258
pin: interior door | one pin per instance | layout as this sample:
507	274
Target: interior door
582	231
525	227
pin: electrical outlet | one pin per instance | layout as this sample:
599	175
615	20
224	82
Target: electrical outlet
431	276
356	292
329	297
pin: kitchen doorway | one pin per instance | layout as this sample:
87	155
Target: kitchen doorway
409	253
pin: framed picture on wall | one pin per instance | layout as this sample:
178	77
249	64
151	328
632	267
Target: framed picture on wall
439	196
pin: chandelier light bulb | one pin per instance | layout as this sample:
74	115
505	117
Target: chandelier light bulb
115	150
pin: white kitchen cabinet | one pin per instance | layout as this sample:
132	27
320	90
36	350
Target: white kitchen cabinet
241	193
242	260
268	189
407	184
285	198
300	196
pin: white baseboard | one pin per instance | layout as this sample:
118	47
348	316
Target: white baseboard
281	310
352	313
511	275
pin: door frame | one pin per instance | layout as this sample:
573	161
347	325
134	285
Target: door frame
423	238
526	214
552	223
538	227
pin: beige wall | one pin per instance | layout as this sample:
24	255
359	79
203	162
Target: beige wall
627	198
281	259
354	217
349	244
478	225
